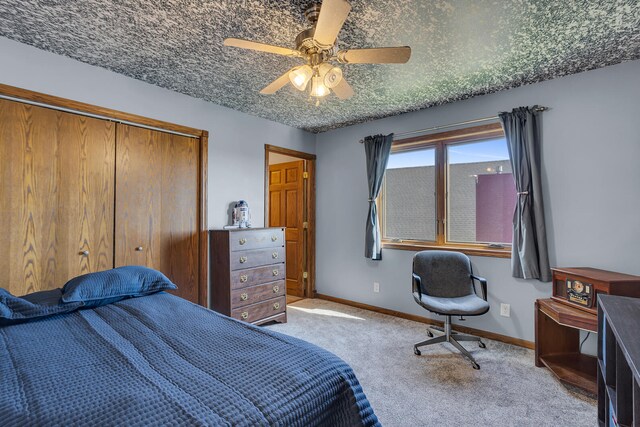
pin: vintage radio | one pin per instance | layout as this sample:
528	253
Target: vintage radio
579	287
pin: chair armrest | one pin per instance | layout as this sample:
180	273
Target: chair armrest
416	285
483	284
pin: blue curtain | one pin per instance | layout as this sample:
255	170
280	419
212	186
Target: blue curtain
529	255
377	149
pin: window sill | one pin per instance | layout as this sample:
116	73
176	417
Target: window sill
465	249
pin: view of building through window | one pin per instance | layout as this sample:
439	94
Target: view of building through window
480	194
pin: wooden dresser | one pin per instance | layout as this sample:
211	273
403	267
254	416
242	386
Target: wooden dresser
248	272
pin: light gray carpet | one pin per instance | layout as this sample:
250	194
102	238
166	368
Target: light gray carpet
439	388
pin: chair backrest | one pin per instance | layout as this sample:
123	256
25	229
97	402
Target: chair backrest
444	274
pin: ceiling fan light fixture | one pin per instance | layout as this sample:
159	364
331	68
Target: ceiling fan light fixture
318	89
300	77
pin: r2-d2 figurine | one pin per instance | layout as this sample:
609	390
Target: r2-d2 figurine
241	215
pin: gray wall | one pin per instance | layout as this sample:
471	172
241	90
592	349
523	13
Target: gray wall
590	156
236	140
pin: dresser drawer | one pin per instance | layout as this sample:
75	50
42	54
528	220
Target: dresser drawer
256	276
256	239
259	311
255	258
258	293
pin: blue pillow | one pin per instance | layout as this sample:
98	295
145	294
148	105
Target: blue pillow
106	287
33	306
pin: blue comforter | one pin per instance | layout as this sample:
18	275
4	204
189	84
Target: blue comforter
160	360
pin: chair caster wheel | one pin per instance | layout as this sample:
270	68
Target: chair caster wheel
475	366
416	352
429	334
482	345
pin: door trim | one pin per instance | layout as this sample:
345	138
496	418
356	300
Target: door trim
310	249
13	93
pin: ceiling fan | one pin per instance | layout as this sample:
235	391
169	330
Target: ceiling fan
317	47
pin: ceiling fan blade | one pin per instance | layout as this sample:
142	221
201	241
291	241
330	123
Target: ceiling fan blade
261	47
381	55
277	84
343	90
333	13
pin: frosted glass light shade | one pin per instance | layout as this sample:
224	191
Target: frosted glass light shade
318	89
333	77
300	76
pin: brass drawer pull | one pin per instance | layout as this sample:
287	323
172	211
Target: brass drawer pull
274	238
243	259
244	296
243	241
244	278
276	305
276	288
275	272
274	255
244	315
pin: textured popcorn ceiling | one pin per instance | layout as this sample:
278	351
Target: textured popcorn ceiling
461	48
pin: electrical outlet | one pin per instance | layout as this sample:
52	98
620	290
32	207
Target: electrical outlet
505	310
376	287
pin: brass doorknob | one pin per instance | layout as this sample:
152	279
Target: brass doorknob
84	253
139	249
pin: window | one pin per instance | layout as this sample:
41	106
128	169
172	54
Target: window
451	190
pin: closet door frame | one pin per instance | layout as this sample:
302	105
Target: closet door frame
81	108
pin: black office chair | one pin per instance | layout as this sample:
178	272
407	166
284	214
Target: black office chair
443	283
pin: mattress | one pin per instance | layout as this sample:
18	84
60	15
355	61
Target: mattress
161	360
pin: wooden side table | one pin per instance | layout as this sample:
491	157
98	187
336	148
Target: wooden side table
557	333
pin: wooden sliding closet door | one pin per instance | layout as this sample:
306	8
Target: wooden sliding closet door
157	214
56	196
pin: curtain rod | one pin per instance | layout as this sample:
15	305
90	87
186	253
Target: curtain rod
468	122
95	116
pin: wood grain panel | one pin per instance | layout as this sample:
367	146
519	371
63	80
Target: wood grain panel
254	312
287	207
275	177
254	276
157	215
292	209
138	197
257	257
255	294
56	195
255	239
180	219
276	216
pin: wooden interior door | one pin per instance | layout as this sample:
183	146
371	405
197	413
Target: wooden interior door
56	196
157	216
286	209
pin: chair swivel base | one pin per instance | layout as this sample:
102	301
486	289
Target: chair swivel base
450	337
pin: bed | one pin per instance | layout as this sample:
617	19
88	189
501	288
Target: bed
161	360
